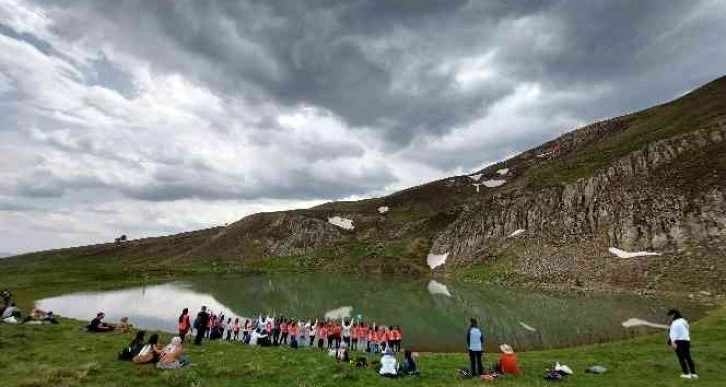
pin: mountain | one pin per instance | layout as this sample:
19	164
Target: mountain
651	181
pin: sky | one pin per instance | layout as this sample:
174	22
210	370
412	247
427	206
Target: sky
154	117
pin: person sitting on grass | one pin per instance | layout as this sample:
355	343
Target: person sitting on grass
342	354
507	363
38	316
11	311
134	347
389	365
125	325
150	352
173	356
97	325
409	367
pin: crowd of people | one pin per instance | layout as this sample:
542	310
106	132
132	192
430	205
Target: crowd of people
10	313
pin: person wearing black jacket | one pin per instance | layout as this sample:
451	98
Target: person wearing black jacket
133	348
200	324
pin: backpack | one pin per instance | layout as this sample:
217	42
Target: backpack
553	376
361	362
464	373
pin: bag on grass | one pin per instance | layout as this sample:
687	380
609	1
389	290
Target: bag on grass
464	373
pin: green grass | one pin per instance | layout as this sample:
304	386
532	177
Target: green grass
63	355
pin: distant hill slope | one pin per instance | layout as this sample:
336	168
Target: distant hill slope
652	180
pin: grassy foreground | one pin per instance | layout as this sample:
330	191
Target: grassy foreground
63	355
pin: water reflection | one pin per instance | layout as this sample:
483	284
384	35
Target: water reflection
150	307
433	315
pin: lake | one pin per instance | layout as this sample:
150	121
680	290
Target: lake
433	315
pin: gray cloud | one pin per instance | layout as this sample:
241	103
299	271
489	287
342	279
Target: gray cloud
224	102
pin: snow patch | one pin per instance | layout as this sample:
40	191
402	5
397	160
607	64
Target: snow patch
435	287
527	327
342	312
514	234
436	260
626	254
636	322
545	154
382	209
476	177
477	187
503	171
341	222
493	183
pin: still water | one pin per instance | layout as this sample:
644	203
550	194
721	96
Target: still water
433	315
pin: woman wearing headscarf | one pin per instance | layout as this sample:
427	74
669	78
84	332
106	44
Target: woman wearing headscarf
389	365
173	356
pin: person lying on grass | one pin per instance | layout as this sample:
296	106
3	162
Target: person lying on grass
134	347
38	316
150	353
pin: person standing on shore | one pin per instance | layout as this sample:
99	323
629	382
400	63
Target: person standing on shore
200	324
184	325
475	345
679	339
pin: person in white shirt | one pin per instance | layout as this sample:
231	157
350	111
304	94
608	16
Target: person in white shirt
389	365
679	338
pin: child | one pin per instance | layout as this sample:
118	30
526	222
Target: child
342	354
228	327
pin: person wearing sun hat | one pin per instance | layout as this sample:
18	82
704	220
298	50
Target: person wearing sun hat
507	363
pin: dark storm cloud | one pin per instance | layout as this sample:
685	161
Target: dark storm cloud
238	105
314	52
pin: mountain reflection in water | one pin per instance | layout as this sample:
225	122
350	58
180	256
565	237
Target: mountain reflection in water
433	315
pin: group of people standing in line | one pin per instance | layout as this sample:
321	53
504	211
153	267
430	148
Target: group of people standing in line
280	330
337	336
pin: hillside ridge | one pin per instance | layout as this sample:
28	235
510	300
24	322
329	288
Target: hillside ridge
649	180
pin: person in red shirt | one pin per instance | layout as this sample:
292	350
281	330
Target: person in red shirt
184	324
293	331
507	363
322	334
283	331
397	338
371	339
337	330
378	340
362	336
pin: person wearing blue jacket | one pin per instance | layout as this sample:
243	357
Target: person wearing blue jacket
475	345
